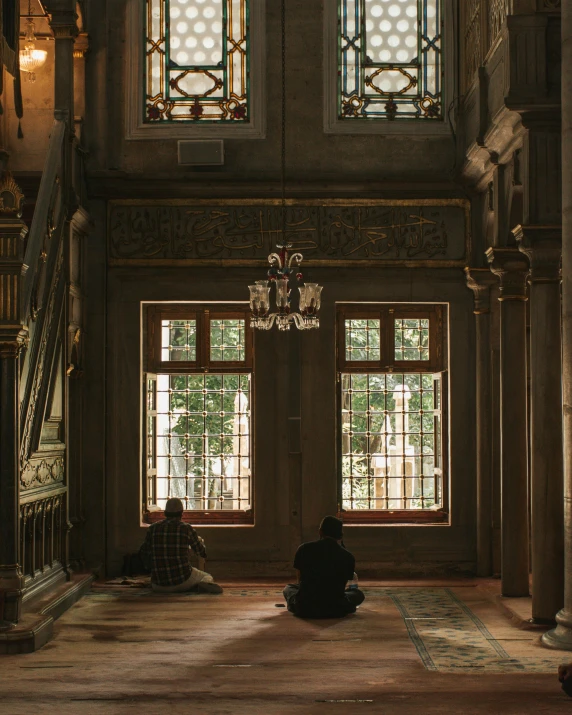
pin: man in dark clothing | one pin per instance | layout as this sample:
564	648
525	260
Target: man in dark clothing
324	567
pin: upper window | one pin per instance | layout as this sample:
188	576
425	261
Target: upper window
390	60
198	412
197	61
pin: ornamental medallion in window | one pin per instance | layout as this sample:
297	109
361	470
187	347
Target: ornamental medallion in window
197	61
390	59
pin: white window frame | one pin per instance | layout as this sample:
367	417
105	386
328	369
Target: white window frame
136	128
404	127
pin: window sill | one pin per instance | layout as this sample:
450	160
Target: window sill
206	518
409	129
396	517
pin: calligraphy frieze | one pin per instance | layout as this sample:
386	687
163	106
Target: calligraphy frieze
429	231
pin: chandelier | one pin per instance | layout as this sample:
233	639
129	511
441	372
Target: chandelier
281	268
31	59
282	264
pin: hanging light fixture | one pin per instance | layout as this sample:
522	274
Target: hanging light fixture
282	264
31	59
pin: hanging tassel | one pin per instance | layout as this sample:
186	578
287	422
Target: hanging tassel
20	132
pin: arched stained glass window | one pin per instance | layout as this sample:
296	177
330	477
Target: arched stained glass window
390	60
197	61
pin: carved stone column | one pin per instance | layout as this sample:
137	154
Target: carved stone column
561	636
12	337
480	280
542	246
63	24
511	267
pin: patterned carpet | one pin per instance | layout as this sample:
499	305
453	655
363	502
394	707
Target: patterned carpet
448	636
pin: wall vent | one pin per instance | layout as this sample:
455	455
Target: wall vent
201	152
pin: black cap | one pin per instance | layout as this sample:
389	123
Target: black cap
332	526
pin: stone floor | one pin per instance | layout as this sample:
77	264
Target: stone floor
122	651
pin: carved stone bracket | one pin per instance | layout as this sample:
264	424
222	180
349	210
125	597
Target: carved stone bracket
480	281
542	245
511	268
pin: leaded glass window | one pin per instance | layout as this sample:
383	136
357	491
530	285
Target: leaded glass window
390	59
197	61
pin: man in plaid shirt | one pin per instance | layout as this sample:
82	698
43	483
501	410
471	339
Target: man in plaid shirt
167	549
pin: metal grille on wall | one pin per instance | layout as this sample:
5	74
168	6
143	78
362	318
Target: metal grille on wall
390	59
197	61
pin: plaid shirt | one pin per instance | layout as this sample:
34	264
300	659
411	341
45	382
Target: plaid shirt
167	545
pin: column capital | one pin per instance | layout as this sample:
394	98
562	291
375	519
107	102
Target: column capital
480	281
12	340
64	24
511	268
542	245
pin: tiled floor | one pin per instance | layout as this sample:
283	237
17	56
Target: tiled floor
124	652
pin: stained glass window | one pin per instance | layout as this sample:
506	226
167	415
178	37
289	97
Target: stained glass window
390	59
197	61
391	429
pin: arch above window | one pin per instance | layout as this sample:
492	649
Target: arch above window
197	70
388	66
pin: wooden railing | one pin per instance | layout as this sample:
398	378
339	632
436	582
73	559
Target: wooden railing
44	522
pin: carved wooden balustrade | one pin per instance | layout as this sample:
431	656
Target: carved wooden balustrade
40	327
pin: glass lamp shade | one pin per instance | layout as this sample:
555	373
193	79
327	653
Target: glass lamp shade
310	302
260	299
282	294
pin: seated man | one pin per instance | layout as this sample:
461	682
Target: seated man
167	550
324	567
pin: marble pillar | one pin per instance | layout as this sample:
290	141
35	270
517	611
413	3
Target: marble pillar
561	636
511	268
480	280
542	246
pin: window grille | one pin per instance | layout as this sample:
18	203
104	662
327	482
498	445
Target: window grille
198	413
197	61
392	383
390	59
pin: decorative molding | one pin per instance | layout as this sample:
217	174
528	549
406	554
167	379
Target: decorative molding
11	196
480	281
43	472
30	416
137	129
511	267
335	232
542	245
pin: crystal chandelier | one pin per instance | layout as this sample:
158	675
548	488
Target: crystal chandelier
281	268
282	264
31	59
